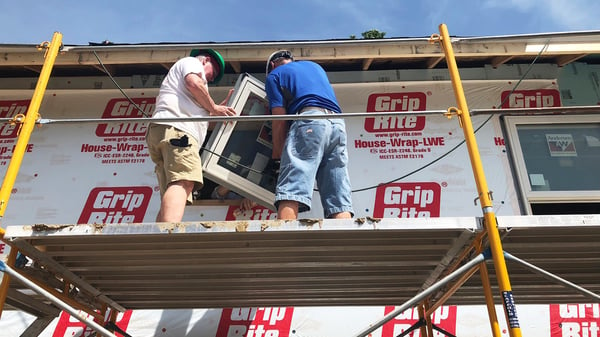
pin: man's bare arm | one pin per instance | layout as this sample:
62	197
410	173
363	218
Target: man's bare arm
280	130
197	87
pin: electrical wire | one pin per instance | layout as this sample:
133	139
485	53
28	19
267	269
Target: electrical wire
533	62
117	85
142	111
475	130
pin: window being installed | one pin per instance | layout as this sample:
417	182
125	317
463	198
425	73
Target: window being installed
237	154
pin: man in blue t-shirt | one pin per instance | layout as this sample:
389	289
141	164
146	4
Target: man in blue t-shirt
308	149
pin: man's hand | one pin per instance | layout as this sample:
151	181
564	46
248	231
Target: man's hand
195	85
223	110
224	102
272	168
247	204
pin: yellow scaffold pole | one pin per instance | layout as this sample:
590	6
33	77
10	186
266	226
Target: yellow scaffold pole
484	194
27	123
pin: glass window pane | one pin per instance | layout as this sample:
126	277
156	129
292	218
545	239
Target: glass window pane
561	157
248	149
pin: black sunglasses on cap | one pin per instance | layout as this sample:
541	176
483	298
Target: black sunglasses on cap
277	55
283	53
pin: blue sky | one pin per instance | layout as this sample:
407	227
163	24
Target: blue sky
154	21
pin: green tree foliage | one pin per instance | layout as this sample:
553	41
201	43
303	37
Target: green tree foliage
373	34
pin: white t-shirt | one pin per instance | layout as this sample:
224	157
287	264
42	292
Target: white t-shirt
174	100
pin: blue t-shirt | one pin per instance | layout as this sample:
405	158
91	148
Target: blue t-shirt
300	84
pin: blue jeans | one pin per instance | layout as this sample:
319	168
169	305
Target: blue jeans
316	149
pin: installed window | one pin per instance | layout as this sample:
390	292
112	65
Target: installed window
556	160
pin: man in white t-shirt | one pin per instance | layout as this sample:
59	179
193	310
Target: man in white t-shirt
174	147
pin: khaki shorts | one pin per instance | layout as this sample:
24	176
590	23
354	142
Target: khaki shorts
175	157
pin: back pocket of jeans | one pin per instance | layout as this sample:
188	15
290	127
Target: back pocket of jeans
308	138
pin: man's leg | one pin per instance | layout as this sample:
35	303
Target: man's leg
287	210
174	200
341	215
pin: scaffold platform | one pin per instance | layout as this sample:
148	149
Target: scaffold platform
311	262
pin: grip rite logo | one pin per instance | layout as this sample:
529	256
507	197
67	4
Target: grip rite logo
389	102
116	205
9	109
122	108
407	200
444	318
235	213
575	320
255	322
539	98
68	326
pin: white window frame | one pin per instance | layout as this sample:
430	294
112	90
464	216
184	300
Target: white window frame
529	196
245	86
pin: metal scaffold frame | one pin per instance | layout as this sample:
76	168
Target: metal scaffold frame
494	252
485	246
489	216
484	193
26	126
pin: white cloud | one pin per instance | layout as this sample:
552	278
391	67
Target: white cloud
569	14
576	14
159	21
357	16
521	5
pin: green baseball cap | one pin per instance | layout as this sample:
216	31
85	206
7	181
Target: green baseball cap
216	56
